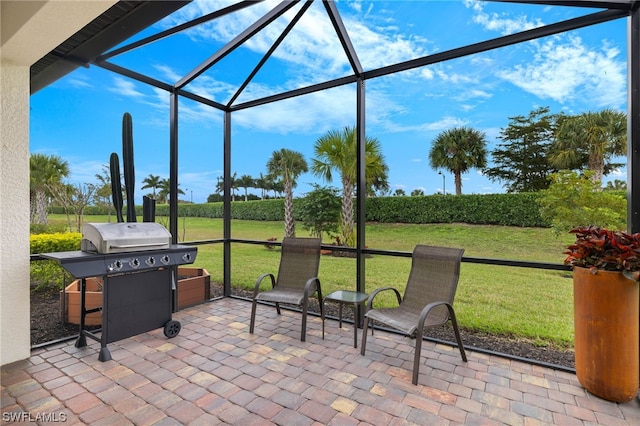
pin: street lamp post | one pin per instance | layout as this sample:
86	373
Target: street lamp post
443	189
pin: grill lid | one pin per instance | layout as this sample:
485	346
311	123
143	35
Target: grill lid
124	237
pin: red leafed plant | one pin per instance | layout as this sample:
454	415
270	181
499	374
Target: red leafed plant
600	249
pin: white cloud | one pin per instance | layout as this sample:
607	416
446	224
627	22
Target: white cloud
426	73
336	107
564	69
80	83
84	172
501	22
496	22
125	88
446	122
472	94
168	72
455	78
312	46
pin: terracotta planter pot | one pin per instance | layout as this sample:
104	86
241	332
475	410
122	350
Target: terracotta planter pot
70	305
193	286
606	333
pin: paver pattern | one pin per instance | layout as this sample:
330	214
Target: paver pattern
215	372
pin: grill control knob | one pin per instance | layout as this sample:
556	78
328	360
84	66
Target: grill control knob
165	259
186	257
134	263
115	266
150	261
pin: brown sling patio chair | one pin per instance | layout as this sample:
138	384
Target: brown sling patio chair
297	279
427	302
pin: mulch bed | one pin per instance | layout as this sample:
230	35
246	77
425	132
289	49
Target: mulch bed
46	326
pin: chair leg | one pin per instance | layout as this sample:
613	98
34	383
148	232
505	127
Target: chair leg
321	303
303	332
457	333
363	346
320	298
253	316
416	360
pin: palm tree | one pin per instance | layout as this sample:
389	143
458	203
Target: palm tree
246	182
153	182
616	185
45	172
234	185
337	151
164	187
288	165
458	150
592	138
220	185
277	186
262	184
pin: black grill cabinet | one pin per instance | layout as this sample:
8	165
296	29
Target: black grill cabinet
138	293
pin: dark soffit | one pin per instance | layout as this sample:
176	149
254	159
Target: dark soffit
121	21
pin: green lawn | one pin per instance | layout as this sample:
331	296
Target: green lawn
528	303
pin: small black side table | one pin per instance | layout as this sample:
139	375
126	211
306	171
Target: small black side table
342	297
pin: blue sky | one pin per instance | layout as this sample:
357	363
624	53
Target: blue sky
79	117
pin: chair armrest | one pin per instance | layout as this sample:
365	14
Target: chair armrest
315	282
427	309
380	290
256	290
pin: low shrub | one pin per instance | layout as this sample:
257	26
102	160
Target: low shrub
47	274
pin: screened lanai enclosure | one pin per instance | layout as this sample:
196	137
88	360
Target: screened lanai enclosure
311	65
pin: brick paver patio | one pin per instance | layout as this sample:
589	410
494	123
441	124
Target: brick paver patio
215	372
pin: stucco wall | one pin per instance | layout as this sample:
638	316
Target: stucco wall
29	30
14	213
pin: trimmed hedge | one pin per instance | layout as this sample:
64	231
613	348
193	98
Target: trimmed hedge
519	209
491	209
51	243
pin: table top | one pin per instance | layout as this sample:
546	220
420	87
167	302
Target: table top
347	296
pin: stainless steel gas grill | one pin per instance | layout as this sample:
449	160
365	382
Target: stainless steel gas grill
138	264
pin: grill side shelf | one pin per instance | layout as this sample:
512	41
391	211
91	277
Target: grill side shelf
82	264
78	263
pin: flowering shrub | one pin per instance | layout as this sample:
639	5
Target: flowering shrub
600	249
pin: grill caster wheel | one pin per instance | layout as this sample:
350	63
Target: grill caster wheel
172	329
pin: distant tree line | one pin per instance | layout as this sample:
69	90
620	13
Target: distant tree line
534	147
532	151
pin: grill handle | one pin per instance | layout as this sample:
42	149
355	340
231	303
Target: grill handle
125	246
